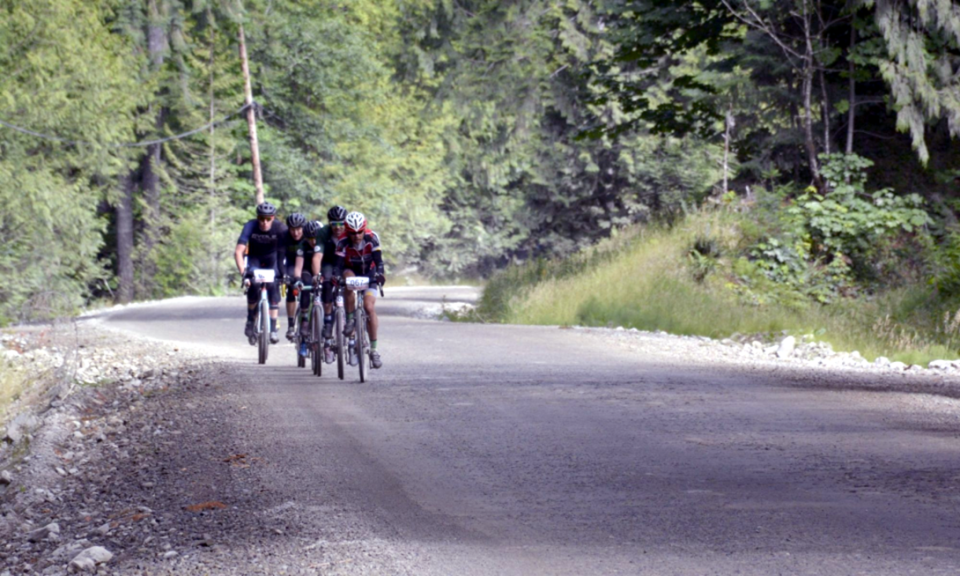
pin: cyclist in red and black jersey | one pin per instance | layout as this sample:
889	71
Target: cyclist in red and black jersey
358	254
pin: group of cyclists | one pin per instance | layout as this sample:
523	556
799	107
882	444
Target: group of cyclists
307	252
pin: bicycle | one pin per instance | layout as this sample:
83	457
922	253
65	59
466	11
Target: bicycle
339	323
361	343
264	277
308	338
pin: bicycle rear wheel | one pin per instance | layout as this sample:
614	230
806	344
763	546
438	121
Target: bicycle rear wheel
338	327
316	346
361	346
264	344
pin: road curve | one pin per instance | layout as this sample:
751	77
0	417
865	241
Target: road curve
493	449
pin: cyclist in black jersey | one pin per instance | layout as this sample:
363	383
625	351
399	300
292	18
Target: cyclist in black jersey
318	255
261	242
291	244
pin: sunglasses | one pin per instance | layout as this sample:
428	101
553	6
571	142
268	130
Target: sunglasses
337	224
265	218
360	233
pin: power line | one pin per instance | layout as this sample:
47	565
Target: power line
145	143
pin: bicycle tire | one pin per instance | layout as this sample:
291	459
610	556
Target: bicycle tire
264	344
301	361
361	334
341	343
313	353
316	350
298	339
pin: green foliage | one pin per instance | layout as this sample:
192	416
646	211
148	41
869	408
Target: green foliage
638	285
850	222
703	257
458	129
196	256
65	75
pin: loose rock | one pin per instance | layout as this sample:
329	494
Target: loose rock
940	365
786	347
41	534
88	560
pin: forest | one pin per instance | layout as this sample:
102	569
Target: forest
477	134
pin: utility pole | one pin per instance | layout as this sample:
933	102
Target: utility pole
251	119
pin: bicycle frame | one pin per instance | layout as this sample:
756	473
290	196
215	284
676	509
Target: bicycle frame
262	278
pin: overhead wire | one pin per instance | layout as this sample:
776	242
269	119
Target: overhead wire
140	144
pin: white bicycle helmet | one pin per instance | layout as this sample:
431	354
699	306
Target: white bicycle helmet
355	222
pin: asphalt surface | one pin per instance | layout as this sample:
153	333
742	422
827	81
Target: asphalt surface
493	449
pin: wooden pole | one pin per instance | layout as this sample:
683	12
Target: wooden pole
251	119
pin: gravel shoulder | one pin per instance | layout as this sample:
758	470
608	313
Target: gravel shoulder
148	451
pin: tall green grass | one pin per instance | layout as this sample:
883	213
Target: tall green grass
12	384
645	281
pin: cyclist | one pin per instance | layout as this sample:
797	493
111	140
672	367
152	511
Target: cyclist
306	246
358	254
262	242
320	249
291	245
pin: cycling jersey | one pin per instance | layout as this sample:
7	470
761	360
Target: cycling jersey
291	248
325	242
267	247
364	259
326	238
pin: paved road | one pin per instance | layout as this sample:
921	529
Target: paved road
489	449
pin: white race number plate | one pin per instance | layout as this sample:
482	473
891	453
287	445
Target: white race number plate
264	275
358	282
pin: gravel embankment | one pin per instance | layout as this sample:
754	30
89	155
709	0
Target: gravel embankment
140	473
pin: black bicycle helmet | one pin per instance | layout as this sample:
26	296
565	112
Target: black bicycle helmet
337	214
266	209
296	220
311	229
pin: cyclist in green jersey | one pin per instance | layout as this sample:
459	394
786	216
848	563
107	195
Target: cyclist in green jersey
318	254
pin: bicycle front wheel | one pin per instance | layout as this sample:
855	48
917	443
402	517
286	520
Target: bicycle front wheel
316	346
338	327
264	344
299	339
361	346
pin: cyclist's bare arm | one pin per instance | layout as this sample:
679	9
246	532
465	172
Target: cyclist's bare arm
315	263
298	267
238	255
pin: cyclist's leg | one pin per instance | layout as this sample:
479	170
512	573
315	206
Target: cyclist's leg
369	305
253	296
350	302
327	297
273	296
291	306
307	279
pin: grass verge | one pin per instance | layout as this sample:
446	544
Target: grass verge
12	384
644	280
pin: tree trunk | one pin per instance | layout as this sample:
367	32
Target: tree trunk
213	148
728	128
251	119
851	70
124	211
150	178
808	70
825	112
